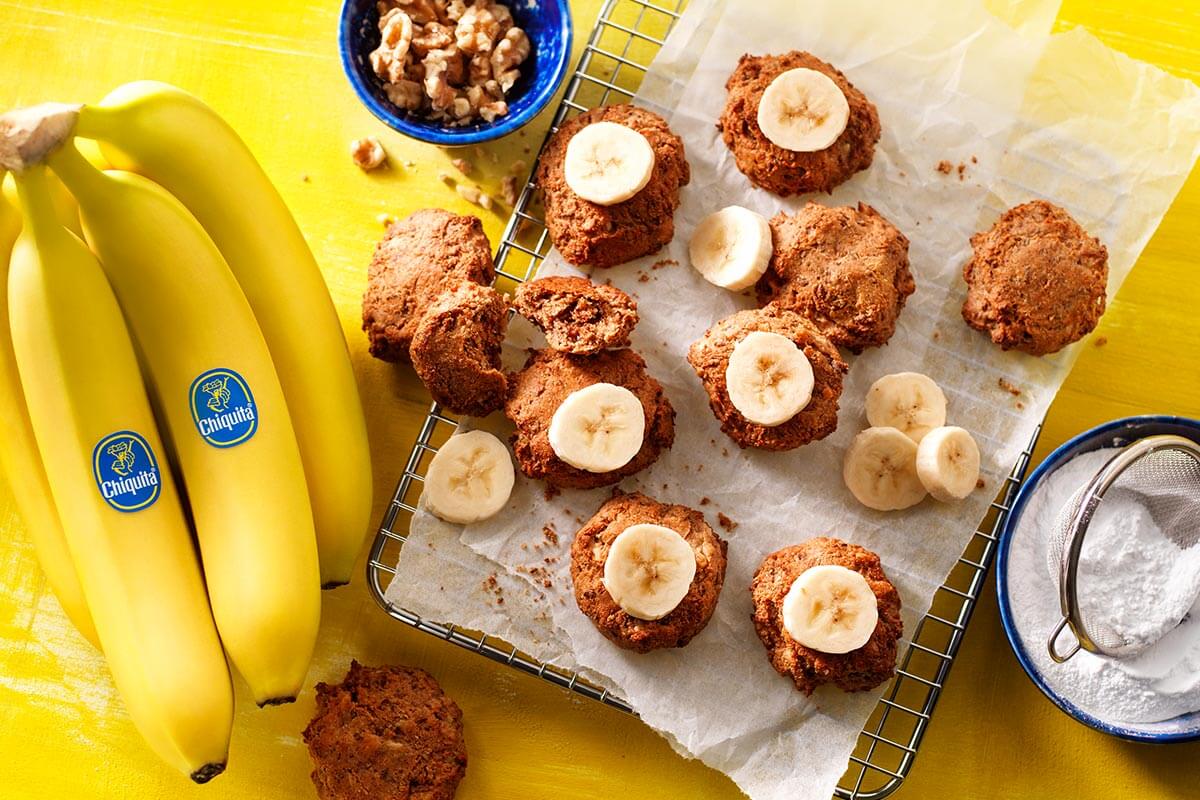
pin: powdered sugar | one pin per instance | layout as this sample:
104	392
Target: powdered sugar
1133	580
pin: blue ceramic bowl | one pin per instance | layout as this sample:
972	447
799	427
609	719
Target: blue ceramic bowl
548	24
1117	433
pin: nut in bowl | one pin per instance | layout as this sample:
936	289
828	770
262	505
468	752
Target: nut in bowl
454	72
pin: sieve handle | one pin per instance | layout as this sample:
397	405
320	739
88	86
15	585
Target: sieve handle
1052	643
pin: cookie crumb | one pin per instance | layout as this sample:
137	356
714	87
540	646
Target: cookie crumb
368	153
945	167
962	170
664	262
974	160
1020	406
305	179
726	523
462	165
704	501
1101	341
936	335
550	534
551	492
979	484
1009	387
643	277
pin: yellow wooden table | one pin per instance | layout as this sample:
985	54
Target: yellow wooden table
271	67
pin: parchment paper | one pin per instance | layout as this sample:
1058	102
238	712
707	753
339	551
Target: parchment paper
1027	115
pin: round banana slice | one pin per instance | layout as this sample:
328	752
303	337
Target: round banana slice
908	401
469	479
598	428
649	570
731	248
803	110
830	608
769	378
948	463
607	163
880	470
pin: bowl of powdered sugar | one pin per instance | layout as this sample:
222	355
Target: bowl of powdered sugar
1133	578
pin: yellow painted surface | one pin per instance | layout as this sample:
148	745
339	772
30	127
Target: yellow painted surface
271	68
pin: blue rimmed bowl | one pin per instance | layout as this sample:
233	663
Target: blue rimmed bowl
546	22
1117	433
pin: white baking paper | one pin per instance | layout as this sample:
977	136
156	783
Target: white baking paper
1027	115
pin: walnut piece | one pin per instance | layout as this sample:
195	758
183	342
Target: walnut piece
368	153
388	60
451	61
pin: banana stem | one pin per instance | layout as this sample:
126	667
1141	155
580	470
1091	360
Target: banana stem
29	135
70	165
34	193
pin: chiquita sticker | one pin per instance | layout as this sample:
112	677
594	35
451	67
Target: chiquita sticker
126	471
223	408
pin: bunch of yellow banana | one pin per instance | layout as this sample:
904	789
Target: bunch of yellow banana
193	262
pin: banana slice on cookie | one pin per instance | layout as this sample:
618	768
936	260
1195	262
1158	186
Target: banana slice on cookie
803	110
830	608
649	570
598	428
731	248
607	163
908	401
769	379
880	470
469	479
948	463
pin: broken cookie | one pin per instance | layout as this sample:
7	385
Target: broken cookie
576	315
456	349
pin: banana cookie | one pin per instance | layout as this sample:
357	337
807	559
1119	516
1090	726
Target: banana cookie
647	574
795	124
843	268
587	421
455	349
576	315
610	178
386	733
827	613
1036	281
420	257
773	380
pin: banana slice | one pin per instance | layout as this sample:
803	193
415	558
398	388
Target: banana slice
948	463
769	378
880	470
469	478
731	248
803	110
598	428
830	608
607	163
908	401
649	570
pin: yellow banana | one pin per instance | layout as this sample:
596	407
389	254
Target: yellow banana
212	380
180	143
121	513
64	205
19	460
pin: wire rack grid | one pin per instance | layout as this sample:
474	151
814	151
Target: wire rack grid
625	39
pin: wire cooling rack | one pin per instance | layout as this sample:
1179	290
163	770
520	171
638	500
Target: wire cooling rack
627	35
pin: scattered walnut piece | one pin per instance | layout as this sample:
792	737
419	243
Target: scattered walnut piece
1101	341
368	153
517	167
508	190
462	165
468	193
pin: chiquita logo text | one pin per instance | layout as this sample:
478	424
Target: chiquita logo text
126	471
223	408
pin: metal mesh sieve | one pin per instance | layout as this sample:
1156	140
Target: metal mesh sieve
1163	474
